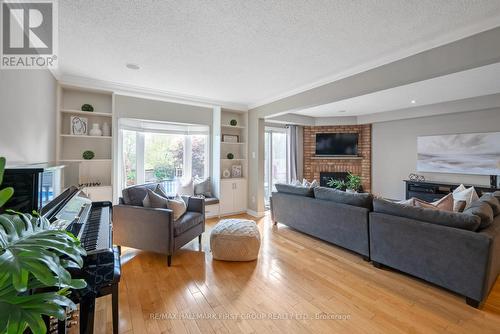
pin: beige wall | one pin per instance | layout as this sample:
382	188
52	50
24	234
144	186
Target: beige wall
27	115
395	147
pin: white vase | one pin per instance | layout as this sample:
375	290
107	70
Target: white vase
95	131
106	130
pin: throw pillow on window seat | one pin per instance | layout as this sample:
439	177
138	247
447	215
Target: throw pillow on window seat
185	187
203	188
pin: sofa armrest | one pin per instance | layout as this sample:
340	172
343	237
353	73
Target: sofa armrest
453	258
195	204
143	228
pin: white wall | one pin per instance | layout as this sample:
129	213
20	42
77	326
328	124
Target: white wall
27	115
394	148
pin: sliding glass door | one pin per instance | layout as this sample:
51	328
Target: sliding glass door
275	160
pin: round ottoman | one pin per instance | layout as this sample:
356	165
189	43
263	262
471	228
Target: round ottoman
235	240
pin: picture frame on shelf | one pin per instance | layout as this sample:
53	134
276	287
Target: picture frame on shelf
236	171
230	138
79	126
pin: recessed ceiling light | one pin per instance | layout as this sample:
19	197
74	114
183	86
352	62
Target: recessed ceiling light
413	101
133	66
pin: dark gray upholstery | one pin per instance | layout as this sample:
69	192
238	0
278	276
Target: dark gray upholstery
492	201
363	200
341	224
135	194
188	220
154	229
497	194
295	190
463	261
466	221
482	210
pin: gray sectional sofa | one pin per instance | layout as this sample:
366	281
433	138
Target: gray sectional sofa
331	215
457	251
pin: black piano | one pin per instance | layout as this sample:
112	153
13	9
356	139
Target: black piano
91	223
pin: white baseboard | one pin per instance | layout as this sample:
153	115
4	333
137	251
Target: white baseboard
255	213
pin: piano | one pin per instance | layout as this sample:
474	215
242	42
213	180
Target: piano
91	223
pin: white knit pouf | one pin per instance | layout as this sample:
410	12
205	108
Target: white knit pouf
235	240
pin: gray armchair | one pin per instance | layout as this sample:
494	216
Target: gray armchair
154	229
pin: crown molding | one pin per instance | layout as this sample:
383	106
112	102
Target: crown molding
146	93
448	38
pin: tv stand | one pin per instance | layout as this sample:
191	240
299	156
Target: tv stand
431	191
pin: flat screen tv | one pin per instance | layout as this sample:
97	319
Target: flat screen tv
336	144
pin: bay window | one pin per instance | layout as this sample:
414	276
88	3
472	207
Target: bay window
159	151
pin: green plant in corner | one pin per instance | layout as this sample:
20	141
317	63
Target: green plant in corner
34	279
337	184
233	122
353	182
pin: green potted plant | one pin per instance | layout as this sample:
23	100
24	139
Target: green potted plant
34	259
337	184
353	183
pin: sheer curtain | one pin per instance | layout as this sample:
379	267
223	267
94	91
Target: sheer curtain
295	148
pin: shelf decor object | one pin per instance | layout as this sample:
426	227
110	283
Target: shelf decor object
79	125
88	155
226	173
230	156
106	130
87	107
96	130
236	171
230	138
233	122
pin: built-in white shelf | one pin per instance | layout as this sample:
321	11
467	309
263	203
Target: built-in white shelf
232	127
84	160
232	178
228	143
86	113
87	137
233	159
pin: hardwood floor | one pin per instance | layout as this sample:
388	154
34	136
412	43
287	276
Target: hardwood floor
297	278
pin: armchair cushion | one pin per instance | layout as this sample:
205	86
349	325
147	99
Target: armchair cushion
153	200
135	194
187	221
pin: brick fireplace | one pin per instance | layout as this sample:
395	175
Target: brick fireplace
360	165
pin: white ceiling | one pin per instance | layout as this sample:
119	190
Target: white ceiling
248	52
461	85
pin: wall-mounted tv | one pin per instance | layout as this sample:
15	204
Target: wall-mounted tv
336	144
471	153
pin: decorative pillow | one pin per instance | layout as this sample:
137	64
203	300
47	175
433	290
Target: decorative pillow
185	187
459	206
410	202
492	201
294	190
483	211
153	200
178	206
160	191
308	184
296	183
135	194
203	188
445	203
468	195
466	221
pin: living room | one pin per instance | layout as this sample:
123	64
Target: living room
250	167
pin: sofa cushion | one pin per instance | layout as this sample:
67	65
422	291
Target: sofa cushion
211	200
462	193
492	201
203	188
295	190
363	200
446	203
153	200
465	220
482	210
135	194
188	220
178	205
497	194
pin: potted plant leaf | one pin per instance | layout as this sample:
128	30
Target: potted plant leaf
353	183
337	184
34	263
